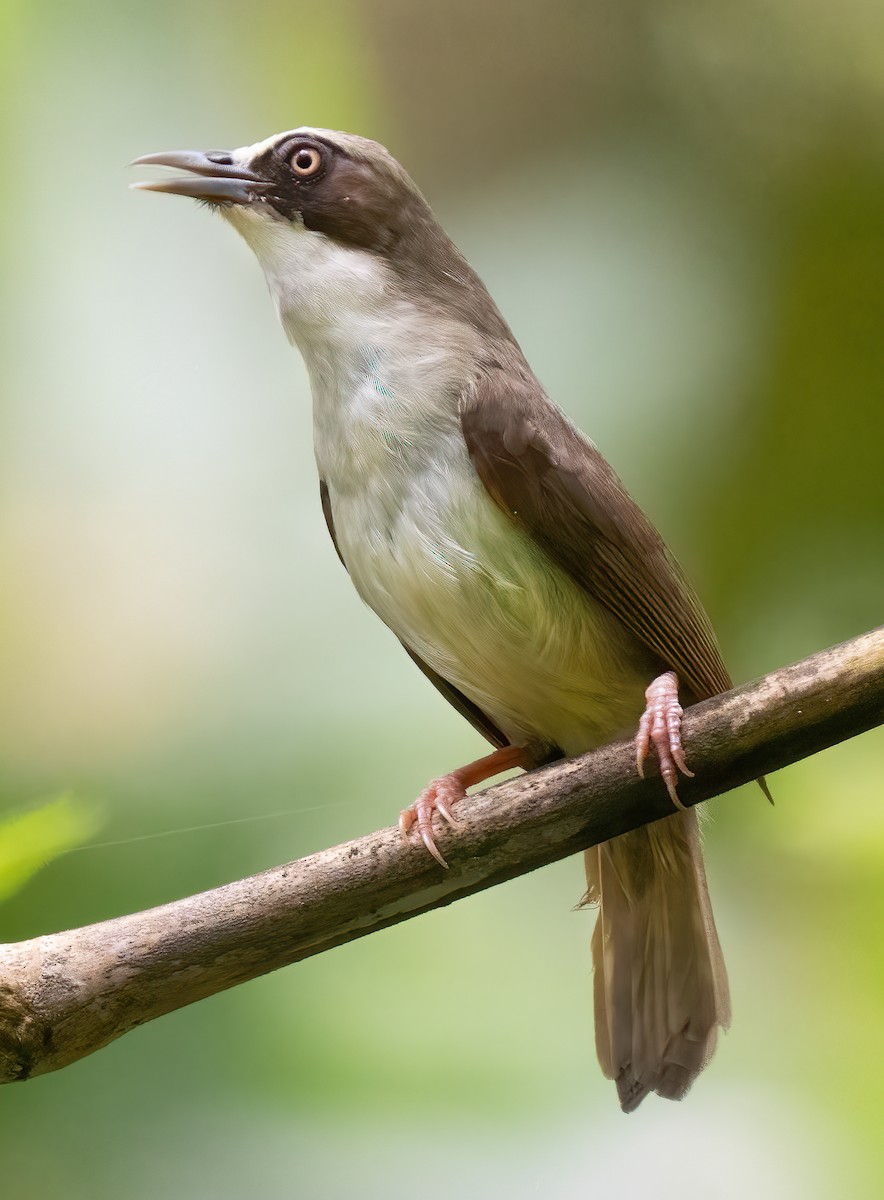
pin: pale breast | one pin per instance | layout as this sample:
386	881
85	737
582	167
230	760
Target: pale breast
478	601
425	545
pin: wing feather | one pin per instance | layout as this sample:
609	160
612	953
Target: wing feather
554	484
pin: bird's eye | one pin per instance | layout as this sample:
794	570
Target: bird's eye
306	161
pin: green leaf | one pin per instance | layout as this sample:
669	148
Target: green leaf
31	839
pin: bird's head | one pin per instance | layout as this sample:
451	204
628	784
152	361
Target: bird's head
333	219
346	187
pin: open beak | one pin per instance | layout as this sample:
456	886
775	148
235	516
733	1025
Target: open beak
215	177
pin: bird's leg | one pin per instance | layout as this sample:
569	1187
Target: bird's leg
660	727
440	795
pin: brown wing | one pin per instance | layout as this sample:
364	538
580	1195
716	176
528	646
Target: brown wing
556	486
455	698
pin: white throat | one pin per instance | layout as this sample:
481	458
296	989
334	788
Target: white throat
317	285
386	373
425	545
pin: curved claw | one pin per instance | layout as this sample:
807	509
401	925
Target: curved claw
417	814
427	839
420	814
445	812
443	793
438	796
660	727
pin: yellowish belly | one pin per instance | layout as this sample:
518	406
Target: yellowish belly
481	603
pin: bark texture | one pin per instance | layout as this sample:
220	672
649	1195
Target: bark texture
65	995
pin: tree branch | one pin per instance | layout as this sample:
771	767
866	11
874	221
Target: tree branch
64	995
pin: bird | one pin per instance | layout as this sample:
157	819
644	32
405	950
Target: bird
494	540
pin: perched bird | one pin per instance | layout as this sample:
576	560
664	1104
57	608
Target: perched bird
497	544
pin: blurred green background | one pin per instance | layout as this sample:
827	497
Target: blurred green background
680	209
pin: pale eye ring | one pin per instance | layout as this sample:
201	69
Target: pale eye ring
306	161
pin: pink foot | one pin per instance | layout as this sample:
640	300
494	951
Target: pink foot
440	795
660	727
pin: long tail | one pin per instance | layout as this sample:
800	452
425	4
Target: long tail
660	983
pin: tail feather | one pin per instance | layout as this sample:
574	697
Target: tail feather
660	982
